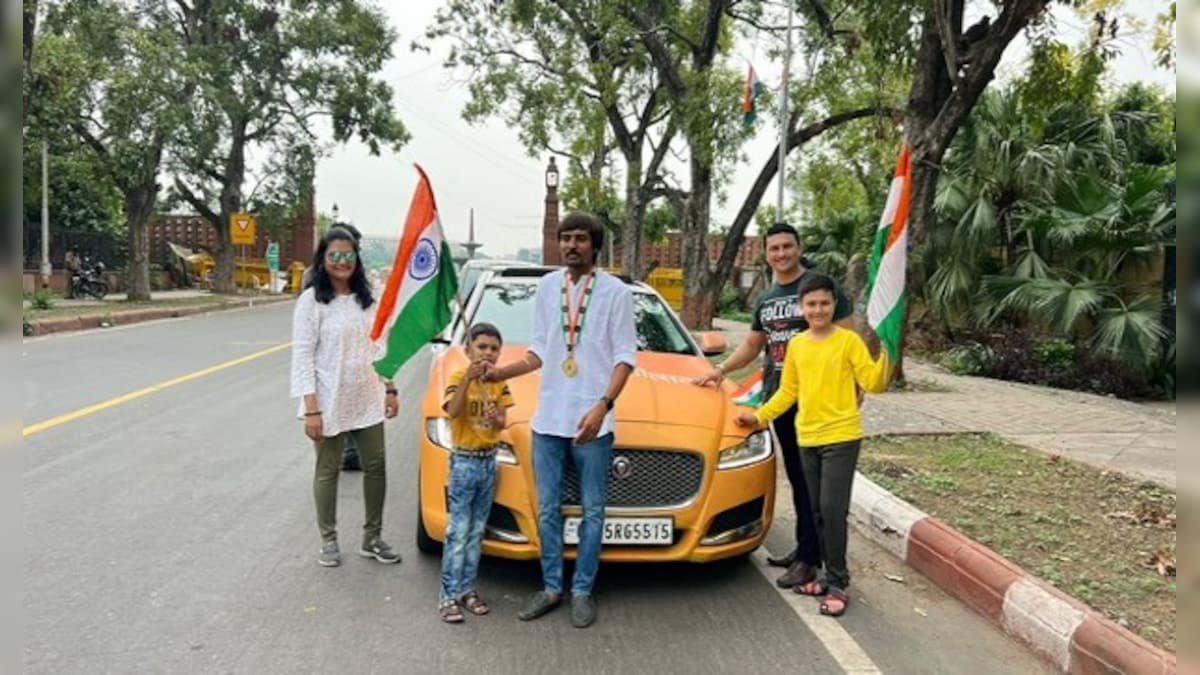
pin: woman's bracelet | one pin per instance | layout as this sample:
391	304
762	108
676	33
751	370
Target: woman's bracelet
390	392
312	414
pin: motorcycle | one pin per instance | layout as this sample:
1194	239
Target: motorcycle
90	281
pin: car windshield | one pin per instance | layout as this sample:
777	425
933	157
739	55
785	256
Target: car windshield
510	307
470	274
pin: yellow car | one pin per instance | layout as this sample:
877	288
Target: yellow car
686	484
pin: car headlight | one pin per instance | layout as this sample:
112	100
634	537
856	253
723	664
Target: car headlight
437	429
756	448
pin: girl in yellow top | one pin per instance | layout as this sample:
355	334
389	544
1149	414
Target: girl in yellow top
824	368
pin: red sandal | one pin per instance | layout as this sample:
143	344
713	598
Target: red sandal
835	602
813	588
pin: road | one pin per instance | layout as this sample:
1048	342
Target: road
169	528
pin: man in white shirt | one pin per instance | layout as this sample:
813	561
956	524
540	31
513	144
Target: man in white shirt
584	335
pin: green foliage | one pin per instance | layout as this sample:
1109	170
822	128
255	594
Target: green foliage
660	219
1055	353
42	299
967	359
730	302
1045	219
263	73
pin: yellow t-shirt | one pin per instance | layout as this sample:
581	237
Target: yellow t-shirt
820	376
473	430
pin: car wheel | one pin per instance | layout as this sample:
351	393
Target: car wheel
425	543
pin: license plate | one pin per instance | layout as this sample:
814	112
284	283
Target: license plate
636	531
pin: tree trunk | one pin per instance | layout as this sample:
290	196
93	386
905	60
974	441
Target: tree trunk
635	210
231	203
699	300
139	204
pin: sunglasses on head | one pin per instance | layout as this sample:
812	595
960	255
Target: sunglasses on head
341	256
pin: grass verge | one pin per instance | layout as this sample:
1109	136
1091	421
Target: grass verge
114	306
1100	536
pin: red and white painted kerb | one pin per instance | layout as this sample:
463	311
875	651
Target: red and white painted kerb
1073	637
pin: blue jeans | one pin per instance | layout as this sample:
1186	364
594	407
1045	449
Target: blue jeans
591	464
472	486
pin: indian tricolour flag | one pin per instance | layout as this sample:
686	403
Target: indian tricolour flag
416	301
750	392
886	272
754	89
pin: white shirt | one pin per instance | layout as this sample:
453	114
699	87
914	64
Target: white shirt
608	338
333	357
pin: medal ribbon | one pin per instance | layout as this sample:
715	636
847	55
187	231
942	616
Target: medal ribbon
573	323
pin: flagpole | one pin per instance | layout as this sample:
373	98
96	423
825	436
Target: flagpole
783	113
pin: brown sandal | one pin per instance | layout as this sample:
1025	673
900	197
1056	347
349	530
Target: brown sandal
475	604
450	611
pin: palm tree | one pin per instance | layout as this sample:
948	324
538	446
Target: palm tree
1043	228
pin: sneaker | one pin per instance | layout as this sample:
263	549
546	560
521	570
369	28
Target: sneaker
380	551
330	555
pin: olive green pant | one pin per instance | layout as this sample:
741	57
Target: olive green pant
329	469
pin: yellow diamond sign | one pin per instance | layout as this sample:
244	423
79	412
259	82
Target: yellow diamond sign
241	229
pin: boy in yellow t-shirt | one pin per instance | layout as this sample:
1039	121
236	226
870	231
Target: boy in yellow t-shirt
822	372
477	413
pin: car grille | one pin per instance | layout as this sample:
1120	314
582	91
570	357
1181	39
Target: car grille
655	479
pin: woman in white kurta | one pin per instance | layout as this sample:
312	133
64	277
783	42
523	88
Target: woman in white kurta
340	394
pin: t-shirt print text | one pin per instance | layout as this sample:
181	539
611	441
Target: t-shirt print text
778	317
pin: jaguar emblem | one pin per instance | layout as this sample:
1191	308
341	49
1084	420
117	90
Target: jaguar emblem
622	468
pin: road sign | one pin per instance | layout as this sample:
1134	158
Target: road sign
241	229
273	256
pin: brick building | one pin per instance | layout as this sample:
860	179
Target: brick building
298	242
669	253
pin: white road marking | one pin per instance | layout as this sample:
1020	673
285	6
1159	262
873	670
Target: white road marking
849	655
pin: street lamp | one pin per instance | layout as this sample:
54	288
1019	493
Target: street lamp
335	212
552	175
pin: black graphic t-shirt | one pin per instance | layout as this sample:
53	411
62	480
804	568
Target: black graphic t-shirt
778	315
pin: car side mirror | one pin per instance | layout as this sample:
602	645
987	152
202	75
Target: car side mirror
712	343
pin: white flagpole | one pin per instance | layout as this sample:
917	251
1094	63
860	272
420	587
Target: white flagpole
783	113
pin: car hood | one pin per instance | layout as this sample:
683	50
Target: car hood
659	391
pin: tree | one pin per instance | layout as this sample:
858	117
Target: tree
570	78
686	42
264	72
106	75
1044	228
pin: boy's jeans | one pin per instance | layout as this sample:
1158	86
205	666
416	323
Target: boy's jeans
592	461
472	486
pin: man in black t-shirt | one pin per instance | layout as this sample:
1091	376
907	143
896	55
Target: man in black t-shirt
777	319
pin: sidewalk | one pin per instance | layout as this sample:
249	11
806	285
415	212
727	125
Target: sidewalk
1132	438
157	296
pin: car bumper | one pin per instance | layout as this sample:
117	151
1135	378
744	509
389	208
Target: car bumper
730	516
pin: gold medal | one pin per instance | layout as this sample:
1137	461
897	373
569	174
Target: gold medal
572	324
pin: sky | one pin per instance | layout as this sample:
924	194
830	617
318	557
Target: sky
484	167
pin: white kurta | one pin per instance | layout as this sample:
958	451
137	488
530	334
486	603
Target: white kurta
609	337
333	357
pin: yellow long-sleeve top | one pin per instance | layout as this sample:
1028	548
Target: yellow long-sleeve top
819	375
